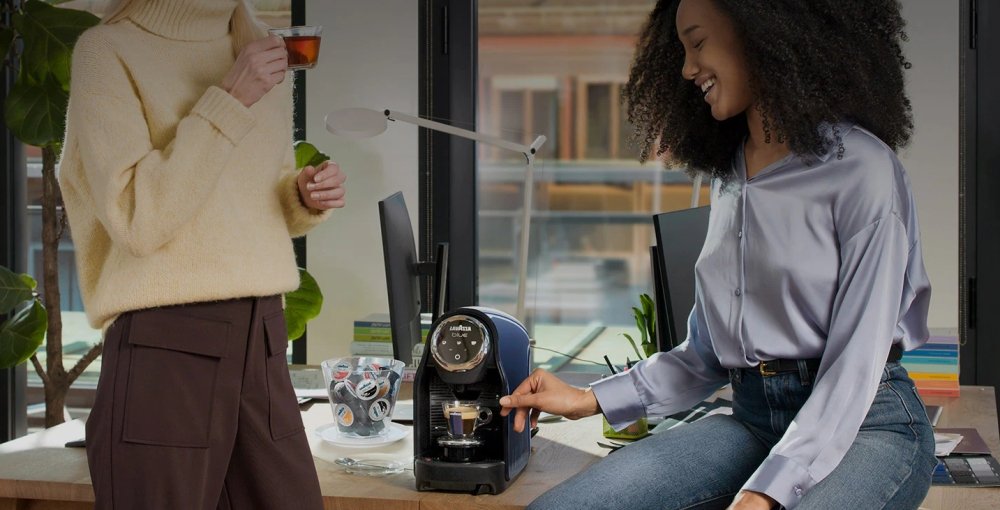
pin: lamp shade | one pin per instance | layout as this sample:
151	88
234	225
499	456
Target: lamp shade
356	122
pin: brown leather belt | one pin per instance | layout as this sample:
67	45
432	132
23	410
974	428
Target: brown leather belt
777	366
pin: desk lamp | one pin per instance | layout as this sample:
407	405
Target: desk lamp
366	123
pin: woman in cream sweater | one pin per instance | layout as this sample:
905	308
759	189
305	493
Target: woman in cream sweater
179	179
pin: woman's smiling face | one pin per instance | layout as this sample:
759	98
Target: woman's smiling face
713	58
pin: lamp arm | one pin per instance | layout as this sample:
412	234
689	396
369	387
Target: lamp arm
463	133
528	151
522	256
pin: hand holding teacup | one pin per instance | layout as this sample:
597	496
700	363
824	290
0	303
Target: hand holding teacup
258	68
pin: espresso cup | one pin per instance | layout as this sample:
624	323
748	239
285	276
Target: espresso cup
464	417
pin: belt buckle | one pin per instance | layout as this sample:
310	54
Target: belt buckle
764	371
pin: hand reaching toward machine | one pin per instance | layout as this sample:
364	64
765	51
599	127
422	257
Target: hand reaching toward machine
543	391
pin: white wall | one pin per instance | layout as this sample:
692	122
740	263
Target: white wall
932	157
368	58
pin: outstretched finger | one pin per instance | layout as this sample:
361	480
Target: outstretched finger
519	418
517	399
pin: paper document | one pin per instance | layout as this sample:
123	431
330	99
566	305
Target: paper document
945	443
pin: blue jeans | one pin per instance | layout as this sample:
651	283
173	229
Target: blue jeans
704	464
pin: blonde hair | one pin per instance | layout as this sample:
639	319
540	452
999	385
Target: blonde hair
244	25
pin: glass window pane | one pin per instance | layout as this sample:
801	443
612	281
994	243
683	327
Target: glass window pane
511	120
598	114
545	121
593	202
626	149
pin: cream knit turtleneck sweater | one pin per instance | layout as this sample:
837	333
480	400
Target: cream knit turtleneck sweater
175	191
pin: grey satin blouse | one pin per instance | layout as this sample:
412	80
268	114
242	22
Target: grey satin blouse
813	257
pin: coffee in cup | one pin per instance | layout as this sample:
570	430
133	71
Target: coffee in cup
464	417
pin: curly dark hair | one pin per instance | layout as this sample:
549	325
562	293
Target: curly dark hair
810	62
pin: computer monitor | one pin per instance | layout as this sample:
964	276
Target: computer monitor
680	236
659	301
402	277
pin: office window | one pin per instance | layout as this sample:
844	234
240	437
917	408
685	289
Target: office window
557	69
603	127
524	107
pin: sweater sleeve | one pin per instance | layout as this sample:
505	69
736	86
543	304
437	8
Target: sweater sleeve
299	218
143	194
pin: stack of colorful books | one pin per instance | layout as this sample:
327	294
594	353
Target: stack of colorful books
373	335
934	366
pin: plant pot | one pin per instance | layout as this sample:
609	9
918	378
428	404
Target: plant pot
637	430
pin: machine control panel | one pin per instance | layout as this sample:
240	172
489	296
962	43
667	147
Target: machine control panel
460	343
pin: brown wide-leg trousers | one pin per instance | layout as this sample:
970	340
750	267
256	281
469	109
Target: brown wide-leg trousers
195	410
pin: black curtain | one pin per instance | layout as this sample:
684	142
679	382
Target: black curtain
980	200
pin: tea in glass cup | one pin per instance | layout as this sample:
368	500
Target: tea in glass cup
302	43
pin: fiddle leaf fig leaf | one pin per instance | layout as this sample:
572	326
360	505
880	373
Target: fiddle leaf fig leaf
302	305
306	154
36	112
49	34
22	335
14	289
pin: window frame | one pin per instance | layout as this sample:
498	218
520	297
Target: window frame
13	239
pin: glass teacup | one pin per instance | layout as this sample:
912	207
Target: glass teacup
302	43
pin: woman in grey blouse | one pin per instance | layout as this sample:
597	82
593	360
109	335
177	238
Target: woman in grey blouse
810	283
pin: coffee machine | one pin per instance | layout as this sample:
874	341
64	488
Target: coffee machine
473	355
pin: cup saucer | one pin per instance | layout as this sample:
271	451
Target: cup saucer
330	434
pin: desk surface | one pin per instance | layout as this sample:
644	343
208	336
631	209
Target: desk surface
37	468
975	408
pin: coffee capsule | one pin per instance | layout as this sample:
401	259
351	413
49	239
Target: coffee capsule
344	415
379	409
366	389
341	370
383	387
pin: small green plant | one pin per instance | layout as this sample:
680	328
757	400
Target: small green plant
645	320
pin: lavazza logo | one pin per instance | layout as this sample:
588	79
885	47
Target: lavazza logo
460	328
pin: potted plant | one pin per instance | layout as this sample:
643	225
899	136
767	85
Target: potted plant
645	320
41	37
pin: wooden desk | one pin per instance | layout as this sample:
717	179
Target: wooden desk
975	408
37	472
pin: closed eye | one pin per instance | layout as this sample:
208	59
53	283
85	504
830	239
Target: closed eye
699	45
